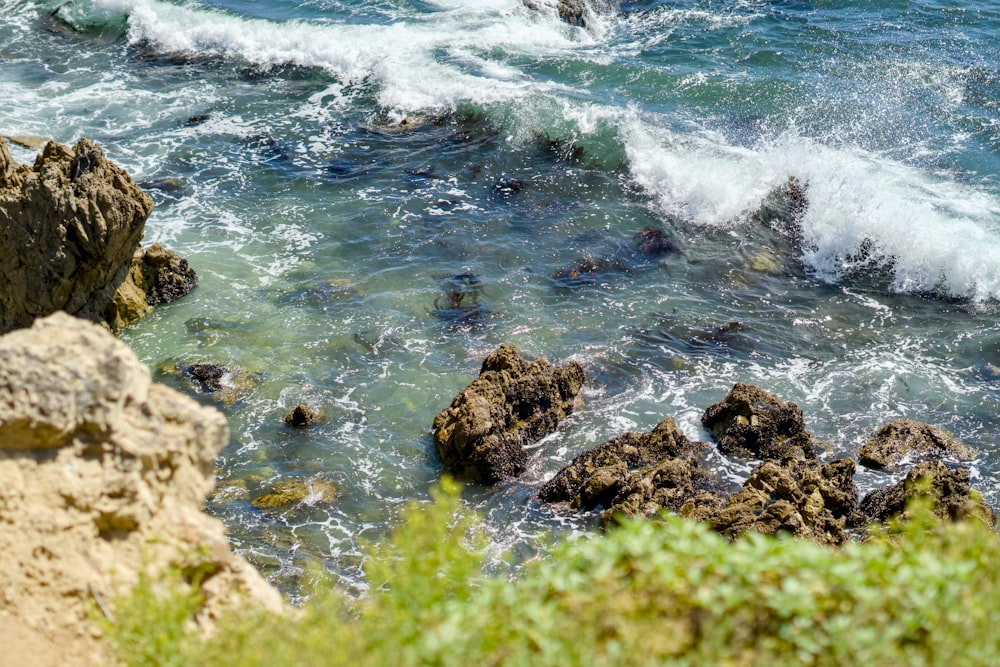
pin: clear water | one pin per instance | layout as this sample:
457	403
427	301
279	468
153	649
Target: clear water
326	233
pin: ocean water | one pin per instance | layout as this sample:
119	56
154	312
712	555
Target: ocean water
336	170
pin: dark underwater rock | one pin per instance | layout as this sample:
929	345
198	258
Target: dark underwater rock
225	385
753	423
947	488
911	441
597	476
459	302
481	436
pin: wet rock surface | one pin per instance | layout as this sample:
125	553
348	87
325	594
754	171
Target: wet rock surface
70	227
790	491
481	436
753	423
290	493
911	441
947	488
599	475
805	498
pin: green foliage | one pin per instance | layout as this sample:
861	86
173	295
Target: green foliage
648	593
152	627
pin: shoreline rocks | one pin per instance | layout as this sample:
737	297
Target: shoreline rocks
106	475
912	441
482	435
641	475
70	232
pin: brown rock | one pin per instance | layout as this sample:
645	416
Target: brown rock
805	498
105	473
754	423
679	485
947	488
301	416
290	493
597	476
514	402
70	227
912	441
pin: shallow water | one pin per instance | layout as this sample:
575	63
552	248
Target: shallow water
328	233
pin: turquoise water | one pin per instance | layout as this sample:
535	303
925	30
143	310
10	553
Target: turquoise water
327	231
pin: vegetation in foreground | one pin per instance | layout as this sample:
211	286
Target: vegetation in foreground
666	593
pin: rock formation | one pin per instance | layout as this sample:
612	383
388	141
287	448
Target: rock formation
575	12
105	474
911	441
70	227
805	498
481	436
600	475
753	423
641	475
947	488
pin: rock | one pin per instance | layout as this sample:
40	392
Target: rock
70	227
911	441
225	385
597	476
165	276
586	270
105	474
481	436
459	302
947	488
805	498
302	416
579	13
654	243
289	493
754	423
679	485
30	141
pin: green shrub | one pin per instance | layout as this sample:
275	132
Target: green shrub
653	592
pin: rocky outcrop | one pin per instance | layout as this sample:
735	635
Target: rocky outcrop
911	441
105	474
753	423
70	227
482	435
302	416
599	476
805	498
948	490
290	493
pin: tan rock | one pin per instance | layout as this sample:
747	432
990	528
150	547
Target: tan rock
105	473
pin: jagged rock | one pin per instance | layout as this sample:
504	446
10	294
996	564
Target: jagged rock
292	492
754	423
597	476
514	402
805	498
105	474
653	243
948	489
226	385
166	277
70	227
911	441
302	416
679	485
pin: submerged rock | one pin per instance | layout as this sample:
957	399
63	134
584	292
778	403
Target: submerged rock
948	490
226	385
481	436
754	423
105	476
579	13
459	302
596	477
70	227
292	492
911	441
